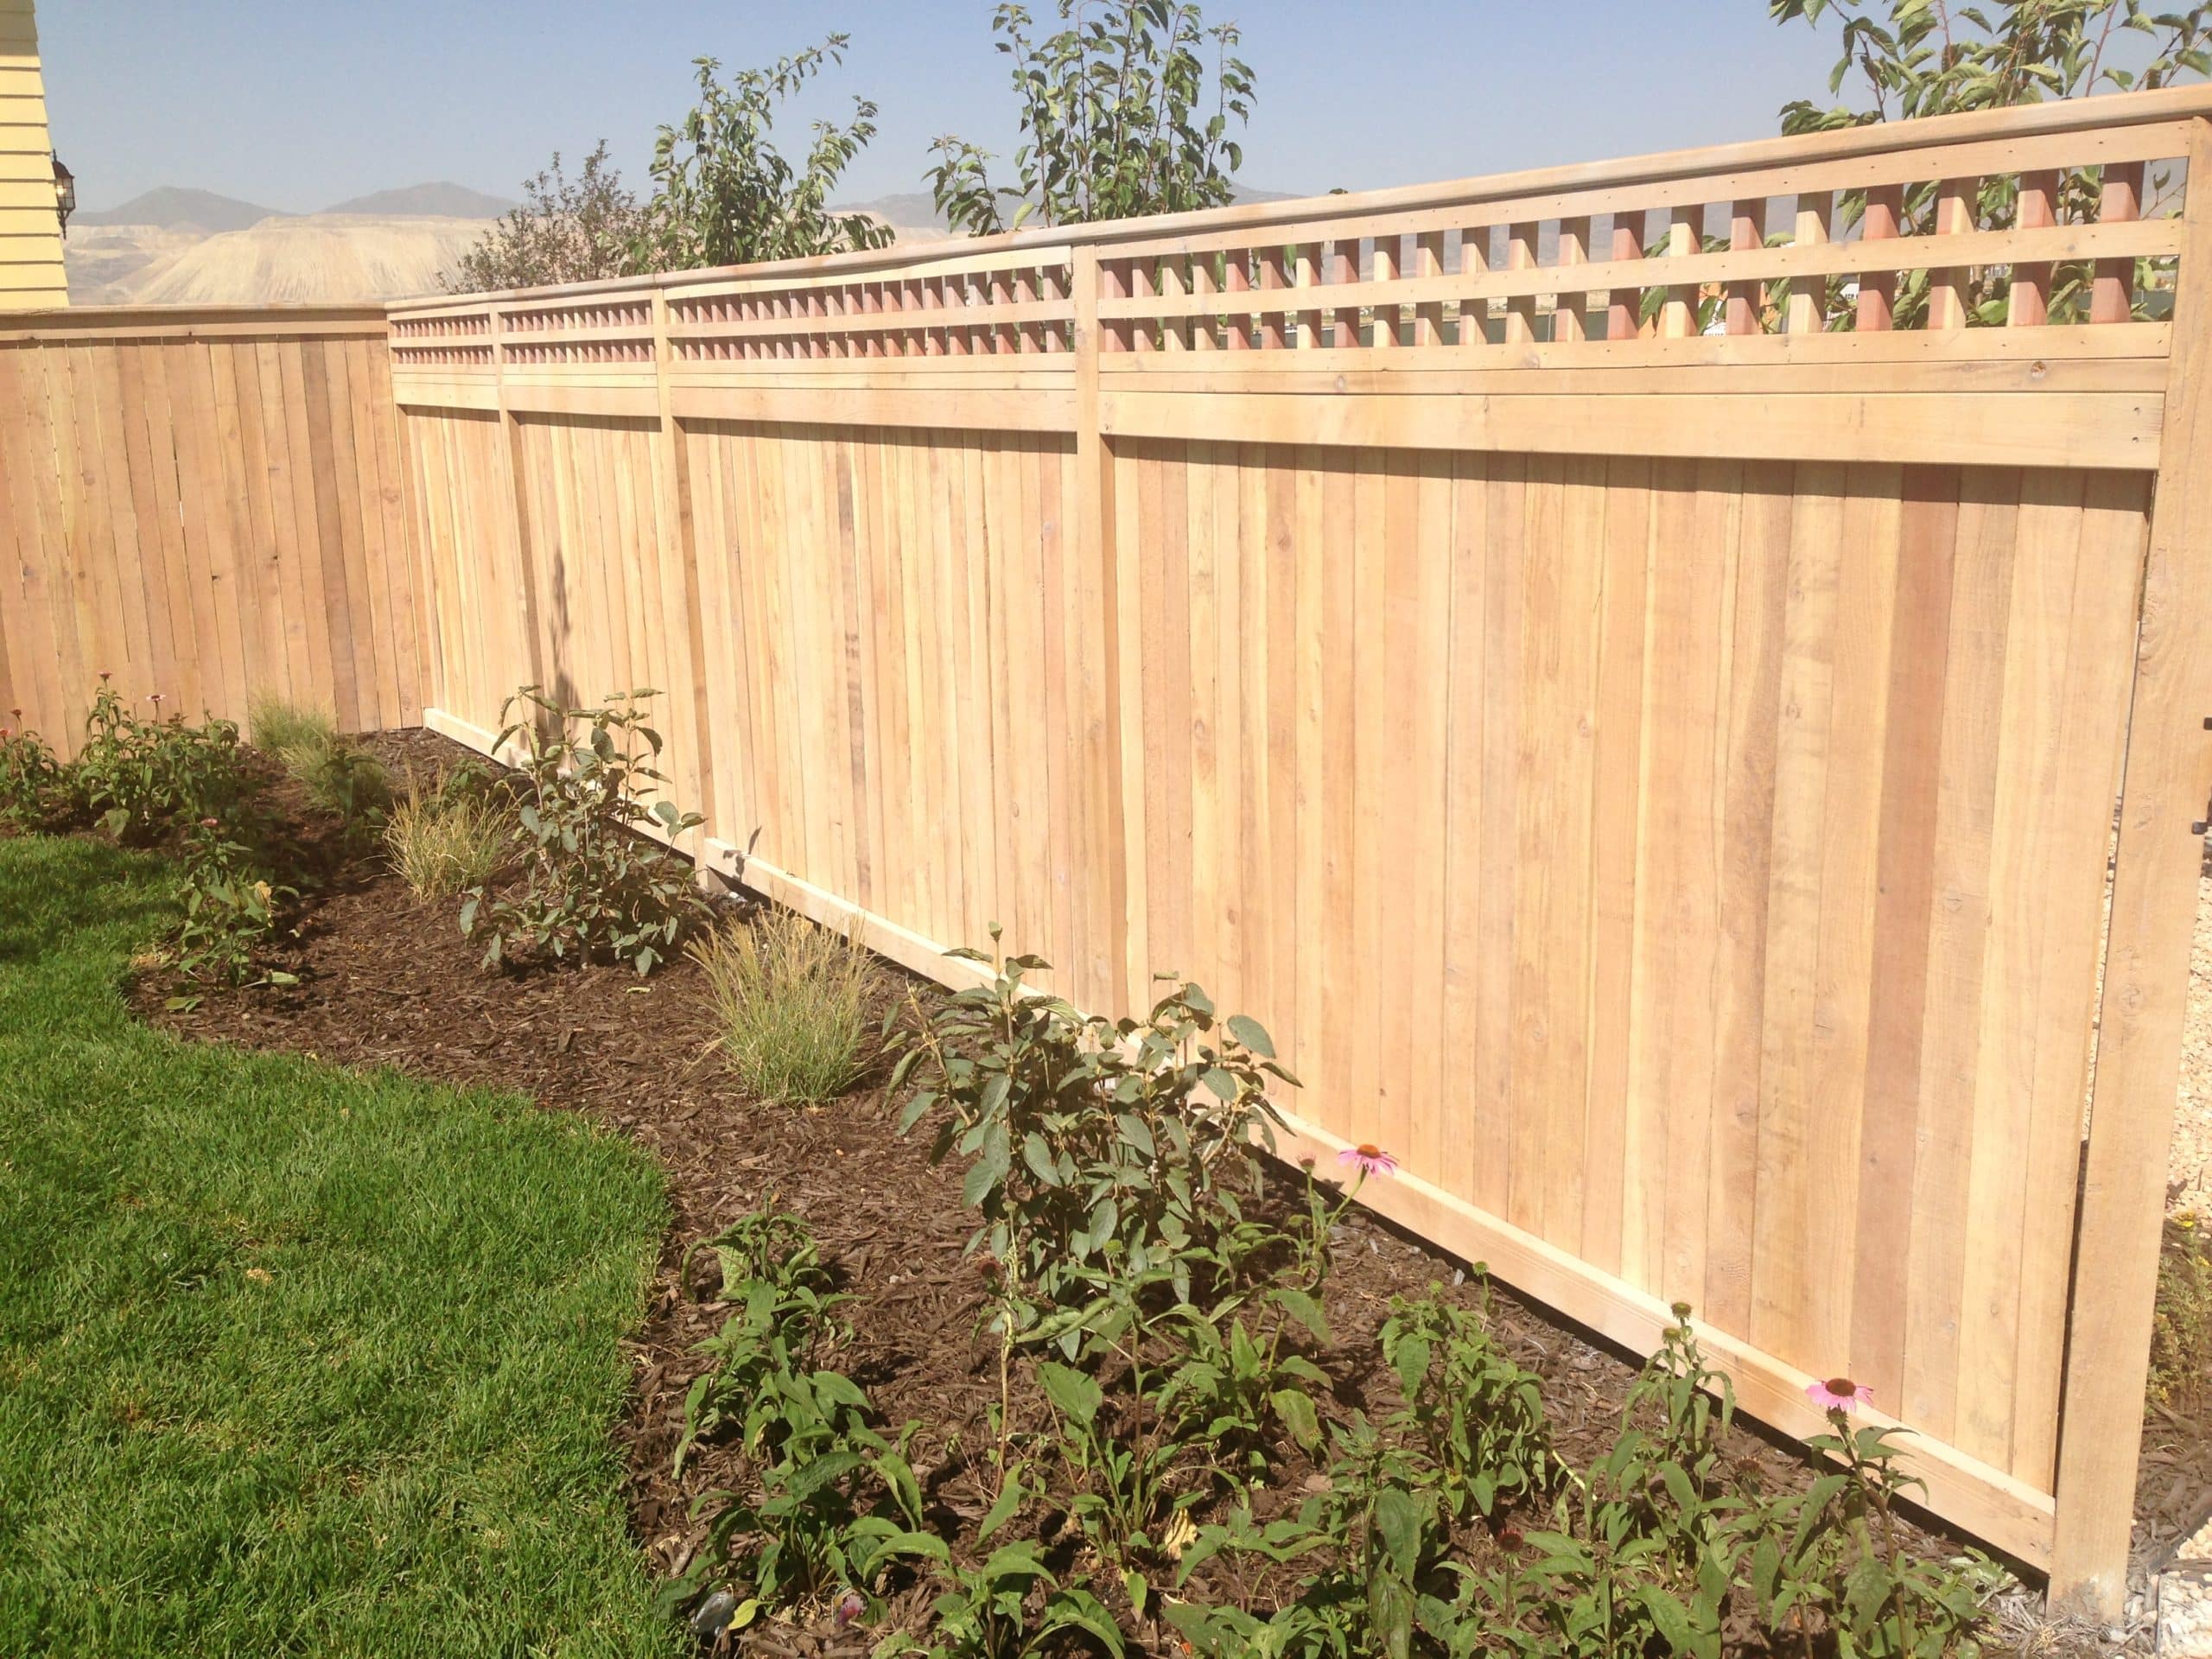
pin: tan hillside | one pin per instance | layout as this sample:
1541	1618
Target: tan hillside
317	257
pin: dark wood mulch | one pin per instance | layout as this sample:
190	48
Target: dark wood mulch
385	982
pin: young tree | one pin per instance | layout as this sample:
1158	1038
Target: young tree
566	230
726	194
1925	57
1930	58
1111	116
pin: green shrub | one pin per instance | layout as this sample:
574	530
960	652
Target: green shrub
827	1499
146	779
231	904
1092	1145
593	888
32	783
445	841
791	1001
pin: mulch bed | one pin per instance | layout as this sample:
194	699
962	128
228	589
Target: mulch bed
384	982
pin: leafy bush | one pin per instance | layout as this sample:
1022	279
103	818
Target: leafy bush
827	1500
32	783
1090	1144
593	889
147	778
583	230
984	1610
1918	60
444	841
791	1001
1481	1415
1829	1556
230	905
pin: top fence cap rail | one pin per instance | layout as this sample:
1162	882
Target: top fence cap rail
124	320
2020	121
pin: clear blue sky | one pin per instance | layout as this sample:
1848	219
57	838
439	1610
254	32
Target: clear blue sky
298	104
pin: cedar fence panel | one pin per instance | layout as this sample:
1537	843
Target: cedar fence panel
1620	667
207	504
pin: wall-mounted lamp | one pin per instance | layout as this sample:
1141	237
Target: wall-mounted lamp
65	193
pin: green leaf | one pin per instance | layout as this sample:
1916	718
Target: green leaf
1135	1587
1308	1311
1004	1506
1295	1408
1254	1035
1669	1618
988	1171
1398	1522
1075	1394
1080	1609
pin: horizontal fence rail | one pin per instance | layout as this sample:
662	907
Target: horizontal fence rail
1626	669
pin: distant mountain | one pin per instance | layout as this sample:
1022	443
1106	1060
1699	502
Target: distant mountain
440	200
328	256
171	209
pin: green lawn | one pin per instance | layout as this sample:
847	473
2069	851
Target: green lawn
293	1361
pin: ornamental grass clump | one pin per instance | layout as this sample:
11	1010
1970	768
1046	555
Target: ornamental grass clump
444	841
793	1003
282	727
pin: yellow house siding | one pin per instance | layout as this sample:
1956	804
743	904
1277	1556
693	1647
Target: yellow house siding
30	234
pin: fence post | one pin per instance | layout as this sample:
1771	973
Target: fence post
672	490
517	499
1098	542
2167	775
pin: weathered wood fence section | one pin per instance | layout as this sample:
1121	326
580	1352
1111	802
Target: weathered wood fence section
1638	717
206	505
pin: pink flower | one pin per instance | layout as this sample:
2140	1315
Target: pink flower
1368	1160
153	697
1839	1394
208	824
850	1606
105	675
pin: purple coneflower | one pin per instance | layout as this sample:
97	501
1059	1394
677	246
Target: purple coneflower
105	675
153	697
1368	1160
1839	1394
850	1606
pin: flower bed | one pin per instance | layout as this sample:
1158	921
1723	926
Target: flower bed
383	981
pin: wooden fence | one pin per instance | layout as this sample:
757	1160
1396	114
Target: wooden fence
1624	669
207	506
